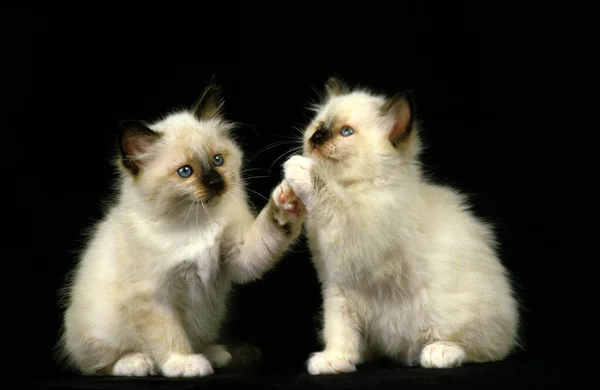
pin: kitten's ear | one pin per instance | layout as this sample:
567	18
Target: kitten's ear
335	87
402	108
135	140
210	104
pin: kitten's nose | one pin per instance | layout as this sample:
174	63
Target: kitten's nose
213	180
319	137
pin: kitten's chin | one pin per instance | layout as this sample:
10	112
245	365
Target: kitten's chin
210	200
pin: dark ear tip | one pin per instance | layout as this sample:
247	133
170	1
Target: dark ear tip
334	81
408	95
213	91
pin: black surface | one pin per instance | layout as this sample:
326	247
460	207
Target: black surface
507	96
514	373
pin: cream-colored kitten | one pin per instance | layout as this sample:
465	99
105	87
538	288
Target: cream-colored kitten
150	291
407	271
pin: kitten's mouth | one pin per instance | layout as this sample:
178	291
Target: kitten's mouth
323	153
208	198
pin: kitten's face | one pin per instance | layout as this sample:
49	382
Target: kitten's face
354	133
182	160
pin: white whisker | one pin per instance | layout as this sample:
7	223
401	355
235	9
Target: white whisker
287	153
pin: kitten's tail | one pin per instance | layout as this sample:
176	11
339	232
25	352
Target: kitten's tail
244	357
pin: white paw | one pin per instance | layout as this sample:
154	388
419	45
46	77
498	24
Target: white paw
298	173
134	364
329	363
442	354
218	355
186	366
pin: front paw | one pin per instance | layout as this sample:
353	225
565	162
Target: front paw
186	366
298	172
286	201
330	363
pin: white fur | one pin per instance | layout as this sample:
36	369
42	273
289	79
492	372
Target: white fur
152	284
407	271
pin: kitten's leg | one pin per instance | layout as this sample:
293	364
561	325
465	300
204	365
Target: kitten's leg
89	356
343	341
270	234
442	354
134	364
217	354
161	332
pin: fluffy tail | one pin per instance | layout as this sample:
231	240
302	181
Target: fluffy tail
244	357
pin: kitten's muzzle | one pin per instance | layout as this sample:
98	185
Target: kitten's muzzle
319	137
213	182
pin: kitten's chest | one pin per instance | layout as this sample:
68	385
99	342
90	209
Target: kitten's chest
195	255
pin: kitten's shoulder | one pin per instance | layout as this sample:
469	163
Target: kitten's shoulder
438	194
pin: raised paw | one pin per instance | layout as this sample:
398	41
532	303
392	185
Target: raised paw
286	200
442	354
134	364
330	363
218	355
298	172
186	366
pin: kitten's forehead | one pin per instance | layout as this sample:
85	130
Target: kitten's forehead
184	130
353	106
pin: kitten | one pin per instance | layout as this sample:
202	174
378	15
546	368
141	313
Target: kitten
407	271
150	291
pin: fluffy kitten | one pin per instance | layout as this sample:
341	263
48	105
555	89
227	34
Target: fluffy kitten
407	271
149	293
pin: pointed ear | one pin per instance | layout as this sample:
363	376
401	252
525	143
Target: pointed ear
401	107
210	104
135	140
335	87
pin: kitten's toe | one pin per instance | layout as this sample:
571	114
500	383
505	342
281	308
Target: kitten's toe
329	363
298	175
134	364
285	199
442	354
300	161
218	355
186	366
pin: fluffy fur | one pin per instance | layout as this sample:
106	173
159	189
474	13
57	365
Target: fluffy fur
407	271
150	291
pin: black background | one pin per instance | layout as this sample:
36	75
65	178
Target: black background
506	96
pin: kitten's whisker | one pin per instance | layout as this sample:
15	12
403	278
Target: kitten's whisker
206	210
174	208
255	177
270	146
291	138
245	196
301	137
287	153
257	193
188	212
253	169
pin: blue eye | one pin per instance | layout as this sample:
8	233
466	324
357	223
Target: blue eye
346	131
217	160
185	171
